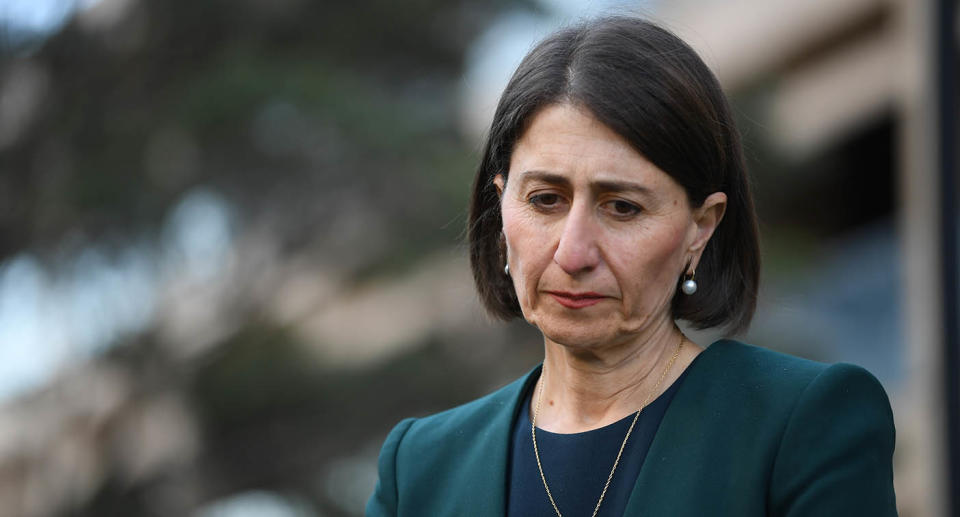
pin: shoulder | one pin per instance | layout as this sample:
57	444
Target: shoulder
428	455
494	408
458	427
827	429
799	436
759	363
755	368
800	384
760	387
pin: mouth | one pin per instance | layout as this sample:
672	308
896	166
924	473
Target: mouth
576	300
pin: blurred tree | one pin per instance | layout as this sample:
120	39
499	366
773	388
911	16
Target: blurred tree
330	128
305	113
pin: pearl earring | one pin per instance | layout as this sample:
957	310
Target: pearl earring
689	286
506	270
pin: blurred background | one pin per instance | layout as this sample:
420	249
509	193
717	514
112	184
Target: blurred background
231	232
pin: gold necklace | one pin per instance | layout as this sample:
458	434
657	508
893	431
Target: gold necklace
536	452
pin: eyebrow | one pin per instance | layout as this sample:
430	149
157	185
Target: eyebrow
598	186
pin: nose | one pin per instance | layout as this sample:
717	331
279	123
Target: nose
577	250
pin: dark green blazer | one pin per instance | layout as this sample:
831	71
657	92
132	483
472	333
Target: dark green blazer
750	432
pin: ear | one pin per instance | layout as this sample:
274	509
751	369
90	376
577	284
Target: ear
500	182
705	219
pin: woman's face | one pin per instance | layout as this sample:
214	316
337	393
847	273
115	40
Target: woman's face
597	236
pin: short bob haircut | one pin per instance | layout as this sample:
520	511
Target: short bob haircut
651	88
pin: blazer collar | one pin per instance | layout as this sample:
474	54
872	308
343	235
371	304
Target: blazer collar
665	467
655	471
487	494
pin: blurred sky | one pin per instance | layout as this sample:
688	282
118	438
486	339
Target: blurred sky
39	16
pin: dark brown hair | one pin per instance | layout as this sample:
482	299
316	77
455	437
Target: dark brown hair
652	89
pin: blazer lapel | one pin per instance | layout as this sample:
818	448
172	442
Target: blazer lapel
485	491
666	471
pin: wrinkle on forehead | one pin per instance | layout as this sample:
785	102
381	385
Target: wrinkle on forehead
566	139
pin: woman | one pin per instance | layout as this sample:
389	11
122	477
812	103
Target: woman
612	200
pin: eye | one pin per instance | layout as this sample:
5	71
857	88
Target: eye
623	208
545	201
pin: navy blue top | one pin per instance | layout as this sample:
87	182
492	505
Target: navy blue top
577	465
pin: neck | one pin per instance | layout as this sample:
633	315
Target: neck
588	388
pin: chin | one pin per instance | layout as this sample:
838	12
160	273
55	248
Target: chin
590	328
577	335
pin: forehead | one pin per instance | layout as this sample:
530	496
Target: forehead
567	140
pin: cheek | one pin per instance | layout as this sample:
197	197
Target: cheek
650	266
528	250
521	231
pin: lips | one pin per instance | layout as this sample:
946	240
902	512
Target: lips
576	300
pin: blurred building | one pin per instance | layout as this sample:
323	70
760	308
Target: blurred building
847	93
